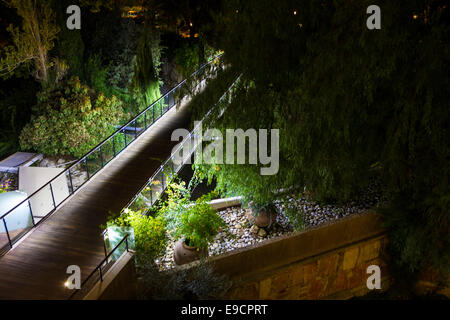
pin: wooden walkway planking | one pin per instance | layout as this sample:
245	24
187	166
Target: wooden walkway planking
36	267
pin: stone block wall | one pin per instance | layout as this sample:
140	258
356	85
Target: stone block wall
340	274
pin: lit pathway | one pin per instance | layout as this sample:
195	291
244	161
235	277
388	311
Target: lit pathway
36	267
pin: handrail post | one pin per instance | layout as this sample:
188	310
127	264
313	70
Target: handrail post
70	179
126	242
101	156
104	247
114	146
151	191
101	274
53	196
145	120
31	213
87	168
162	179
7	234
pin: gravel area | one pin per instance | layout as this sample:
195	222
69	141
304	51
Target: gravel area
241	234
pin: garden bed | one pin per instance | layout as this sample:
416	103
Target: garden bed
241	234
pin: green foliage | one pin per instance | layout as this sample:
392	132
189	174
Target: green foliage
122	54
149	232
418	235
96	74
199	224
33	41
200	282
71	120
69	45
196	222
350	103
187	59
17	95
268	206
295	215
145	85
178	198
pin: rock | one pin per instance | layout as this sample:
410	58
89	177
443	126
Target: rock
249	216
238	226
262	233
43	163
254	229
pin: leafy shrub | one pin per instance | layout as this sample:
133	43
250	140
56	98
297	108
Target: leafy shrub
195	221
187	59
178	198
96	74
149	232
198	283
71	120
199	224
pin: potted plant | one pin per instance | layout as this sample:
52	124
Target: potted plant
198	225
262	214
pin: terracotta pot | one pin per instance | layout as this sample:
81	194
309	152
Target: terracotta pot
182	253
263	218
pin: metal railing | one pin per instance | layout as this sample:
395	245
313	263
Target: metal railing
102	267
24	216
157	183
160	178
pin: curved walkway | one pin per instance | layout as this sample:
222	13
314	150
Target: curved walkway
36	267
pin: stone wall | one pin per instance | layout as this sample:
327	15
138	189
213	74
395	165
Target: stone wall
340	274
328	262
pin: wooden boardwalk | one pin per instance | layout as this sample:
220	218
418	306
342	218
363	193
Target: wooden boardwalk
36	267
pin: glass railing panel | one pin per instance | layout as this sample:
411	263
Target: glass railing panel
140	124
114	235
169	169
157	186
149	116
107	151
61	189
4	242
78	174
18	221
147	194
120	141
94	162
42	203
18	224
141	203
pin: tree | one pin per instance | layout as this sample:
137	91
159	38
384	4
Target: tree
146	80
33	41
71	120
350	103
